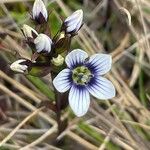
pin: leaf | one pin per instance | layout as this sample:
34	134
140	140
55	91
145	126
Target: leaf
42	87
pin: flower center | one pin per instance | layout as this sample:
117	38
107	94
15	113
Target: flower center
81	75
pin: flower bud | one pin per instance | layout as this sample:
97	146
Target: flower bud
29	32
58	61
19	66
43	43
73	23
39	12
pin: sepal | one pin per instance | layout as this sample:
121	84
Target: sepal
62	43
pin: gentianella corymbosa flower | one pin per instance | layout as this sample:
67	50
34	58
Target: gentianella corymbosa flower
19	66
43	43
83	77
39	12
74	22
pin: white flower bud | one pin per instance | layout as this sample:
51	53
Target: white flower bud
58	61
43	43
17	66
39	12
28	31
74	22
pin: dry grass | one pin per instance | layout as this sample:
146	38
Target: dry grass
122	123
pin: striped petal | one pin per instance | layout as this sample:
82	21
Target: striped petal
39	7
77	15
101	88
62	82
43	43
74	21
75	58
100	63
79	100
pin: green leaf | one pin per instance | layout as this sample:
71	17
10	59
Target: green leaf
3	148
42	86
19	16
141	89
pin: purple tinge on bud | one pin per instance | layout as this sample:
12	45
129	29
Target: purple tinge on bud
28	32
43	43
74	22
39	12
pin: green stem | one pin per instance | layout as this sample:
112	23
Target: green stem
141	89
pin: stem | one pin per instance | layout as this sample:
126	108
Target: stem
61	103
58	106
58	112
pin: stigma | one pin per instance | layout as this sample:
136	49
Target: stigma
81	75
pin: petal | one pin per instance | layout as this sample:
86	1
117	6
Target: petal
71	28
76	15
27	31
79	100
18	67
100	63
75	58
39	7
36	8
72	22
43	43
79	25
101	88
74	25
62	82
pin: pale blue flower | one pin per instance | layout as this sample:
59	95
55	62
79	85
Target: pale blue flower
83	77
74	21
39	12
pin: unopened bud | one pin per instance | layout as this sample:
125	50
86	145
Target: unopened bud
29	32
43	43
73	23
39	12
20	66
58	61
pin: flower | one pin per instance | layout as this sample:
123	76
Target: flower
58	61
43	43
19	66
73	23
83	77
39	12
29	32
